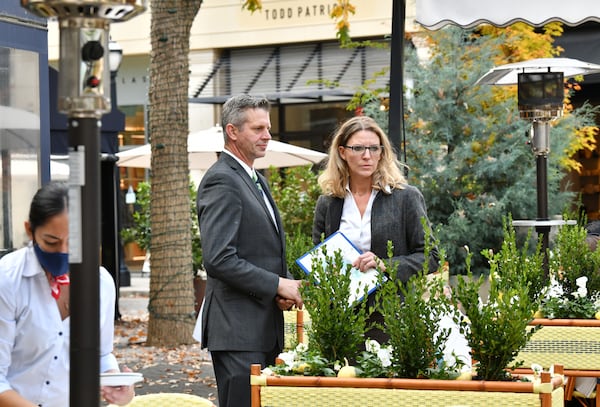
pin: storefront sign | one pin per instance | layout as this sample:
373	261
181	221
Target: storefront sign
299	12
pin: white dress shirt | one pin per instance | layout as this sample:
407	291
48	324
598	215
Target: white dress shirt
355	227
34	340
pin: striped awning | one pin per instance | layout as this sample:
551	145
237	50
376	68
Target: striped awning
435	14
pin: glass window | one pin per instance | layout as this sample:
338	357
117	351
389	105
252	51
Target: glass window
19	142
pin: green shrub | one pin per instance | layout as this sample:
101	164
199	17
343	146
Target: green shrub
496	329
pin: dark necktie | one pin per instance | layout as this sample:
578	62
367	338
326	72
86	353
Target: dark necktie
255	179
264	196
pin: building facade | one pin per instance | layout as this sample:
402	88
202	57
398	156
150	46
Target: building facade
288	51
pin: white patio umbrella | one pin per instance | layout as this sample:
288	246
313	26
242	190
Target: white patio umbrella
204	146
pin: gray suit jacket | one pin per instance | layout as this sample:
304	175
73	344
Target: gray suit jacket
244	256
395	217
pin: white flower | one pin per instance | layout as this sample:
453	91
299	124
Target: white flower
581	288
385	356
337	366
267	372
372	346
581	281
555	289
481	305
301	347
537	369
288	358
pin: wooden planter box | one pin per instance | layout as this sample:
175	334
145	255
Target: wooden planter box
279	391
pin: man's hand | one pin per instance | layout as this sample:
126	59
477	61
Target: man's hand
288	291
283	303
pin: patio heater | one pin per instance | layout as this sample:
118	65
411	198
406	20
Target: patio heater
540	89
540	100
84	96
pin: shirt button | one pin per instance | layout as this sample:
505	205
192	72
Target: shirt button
60	334
55	357
47	382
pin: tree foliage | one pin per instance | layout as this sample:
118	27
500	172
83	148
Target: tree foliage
295	191
467	148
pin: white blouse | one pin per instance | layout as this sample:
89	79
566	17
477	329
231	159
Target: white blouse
356	228
34	340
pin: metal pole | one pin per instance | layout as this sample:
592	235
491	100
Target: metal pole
84	221
541	147
396	109
542	198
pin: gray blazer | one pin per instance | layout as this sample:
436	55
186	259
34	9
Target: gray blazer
395	217
244	256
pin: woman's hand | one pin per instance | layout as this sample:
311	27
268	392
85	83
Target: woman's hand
119	395
367	261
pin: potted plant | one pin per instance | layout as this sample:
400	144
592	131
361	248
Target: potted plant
497	329
413	360
141	232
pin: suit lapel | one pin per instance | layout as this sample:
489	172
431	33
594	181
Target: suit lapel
267	193
235	166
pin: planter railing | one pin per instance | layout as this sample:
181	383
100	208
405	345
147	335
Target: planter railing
295	324
279	391
573	343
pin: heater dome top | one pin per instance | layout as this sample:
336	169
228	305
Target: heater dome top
113	10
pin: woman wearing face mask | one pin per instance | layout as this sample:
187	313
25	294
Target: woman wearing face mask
34	312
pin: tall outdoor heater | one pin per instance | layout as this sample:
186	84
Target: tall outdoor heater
540	92
540	100
84	96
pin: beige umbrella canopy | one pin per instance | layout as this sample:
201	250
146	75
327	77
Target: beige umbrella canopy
204	146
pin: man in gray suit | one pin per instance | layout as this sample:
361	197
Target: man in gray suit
243	247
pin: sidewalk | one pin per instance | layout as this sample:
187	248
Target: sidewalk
140	285
184	369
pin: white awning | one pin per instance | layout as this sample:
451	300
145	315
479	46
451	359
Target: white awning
435	14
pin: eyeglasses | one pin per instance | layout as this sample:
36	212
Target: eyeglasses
374	150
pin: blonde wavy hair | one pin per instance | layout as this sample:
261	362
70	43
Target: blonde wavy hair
335	177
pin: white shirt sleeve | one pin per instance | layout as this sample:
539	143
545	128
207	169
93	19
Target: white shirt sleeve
108	361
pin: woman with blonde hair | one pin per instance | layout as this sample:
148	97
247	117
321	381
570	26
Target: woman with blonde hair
366	197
